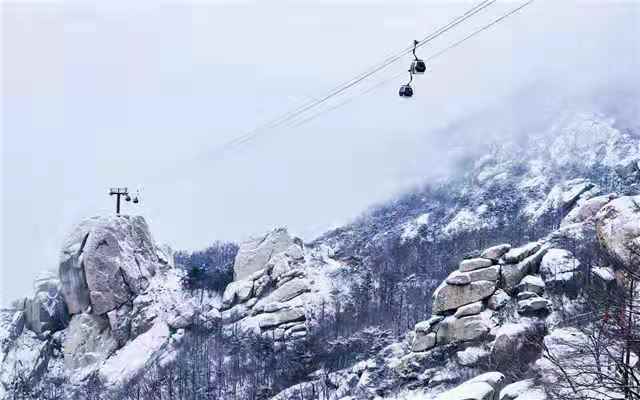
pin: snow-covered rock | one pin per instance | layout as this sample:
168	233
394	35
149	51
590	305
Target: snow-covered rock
471	356
469	309
423	341
105	262
46	310
586	209
474	263
450	297
558	265
131	360
517	338
278	297
87	344
254	254
523	390
605	274
518	254
483	387
495	252
532	283
453	329
483	274
618	229
498	300
512	274
534	305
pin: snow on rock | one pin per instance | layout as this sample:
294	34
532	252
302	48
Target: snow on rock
563	196
518	254
46	309
498	300
606	274
87	344
562	344
494	253
471	356
474	263
469	309
516	338
254	254
132	359
532	283
586	209
26	357
449	297
618	229
280	296
105	262
558	265
491	273
512	274
533	305
482	387
166	300
522	390
474	327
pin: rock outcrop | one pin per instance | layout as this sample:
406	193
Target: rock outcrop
113	285
106	262
558	265
46	309
255	254
483	387
88	342
277	289
618	230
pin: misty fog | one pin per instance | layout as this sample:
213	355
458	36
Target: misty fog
96	96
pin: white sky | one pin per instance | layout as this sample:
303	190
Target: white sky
104	94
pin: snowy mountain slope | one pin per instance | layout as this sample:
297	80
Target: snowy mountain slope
519	339
514	191
337	317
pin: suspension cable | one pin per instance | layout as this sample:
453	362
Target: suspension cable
430	58
340	89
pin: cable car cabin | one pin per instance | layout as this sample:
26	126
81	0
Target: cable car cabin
418	67
406	91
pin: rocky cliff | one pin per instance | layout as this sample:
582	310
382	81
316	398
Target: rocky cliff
500	320
471	288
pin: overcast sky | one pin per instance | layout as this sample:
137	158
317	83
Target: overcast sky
104	94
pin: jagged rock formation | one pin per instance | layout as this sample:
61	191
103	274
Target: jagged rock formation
477	331
46	309
619	231
276	297
116	284
118	306
106	262
464	304
254	254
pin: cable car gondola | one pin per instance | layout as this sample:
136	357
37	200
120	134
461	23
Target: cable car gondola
407	90
417	66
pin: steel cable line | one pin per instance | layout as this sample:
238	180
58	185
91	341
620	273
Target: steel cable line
478	31
430	58
340	89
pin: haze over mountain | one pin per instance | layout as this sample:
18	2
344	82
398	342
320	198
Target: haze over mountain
98	95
